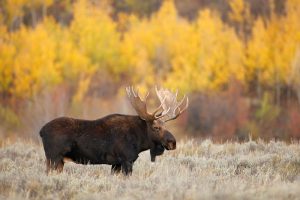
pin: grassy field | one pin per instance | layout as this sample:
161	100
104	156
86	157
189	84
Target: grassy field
195	170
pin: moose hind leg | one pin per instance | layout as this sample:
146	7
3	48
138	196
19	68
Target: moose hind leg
116	169
60	166
127	168
48	166
54	164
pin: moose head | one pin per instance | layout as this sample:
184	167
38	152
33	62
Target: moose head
169	109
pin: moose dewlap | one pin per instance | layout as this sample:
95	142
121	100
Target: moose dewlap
115	139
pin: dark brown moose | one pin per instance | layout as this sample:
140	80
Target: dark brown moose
115	139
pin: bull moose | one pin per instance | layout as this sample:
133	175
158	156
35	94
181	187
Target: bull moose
115	139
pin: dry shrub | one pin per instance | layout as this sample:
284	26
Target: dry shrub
293	123
58	102
195	170
43	108
220	116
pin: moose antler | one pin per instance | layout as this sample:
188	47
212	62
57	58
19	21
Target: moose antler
169	100
140	106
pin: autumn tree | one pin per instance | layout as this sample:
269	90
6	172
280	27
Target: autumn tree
272	49
213	55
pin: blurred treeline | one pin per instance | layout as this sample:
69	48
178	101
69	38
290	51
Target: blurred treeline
238	60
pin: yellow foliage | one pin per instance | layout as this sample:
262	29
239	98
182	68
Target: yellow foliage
258	52
34	65
14	8
273	47
164	49
94	34
71	61
237	10
147	43
82	89
36	3
7	52
181	55
212	55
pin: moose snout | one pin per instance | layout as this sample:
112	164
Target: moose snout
171	145
169	141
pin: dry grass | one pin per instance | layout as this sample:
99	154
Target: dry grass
196	170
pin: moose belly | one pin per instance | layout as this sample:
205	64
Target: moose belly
90	158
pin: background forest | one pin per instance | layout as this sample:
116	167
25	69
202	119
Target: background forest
238	61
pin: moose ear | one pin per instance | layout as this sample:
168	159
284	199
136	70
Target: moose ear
143	118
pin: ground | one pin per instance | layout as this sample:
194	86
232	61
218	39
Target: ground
195	170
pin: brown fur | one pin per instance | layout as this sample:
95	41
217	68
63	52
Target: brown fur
115	140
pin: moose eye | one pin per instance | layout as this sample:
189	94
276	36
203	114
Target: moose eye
157	128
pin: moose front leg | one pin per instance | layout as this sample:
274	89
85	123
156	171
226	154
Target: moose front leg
116	169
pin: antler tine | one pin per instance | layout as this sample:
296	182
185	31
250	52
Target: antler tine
172	108
138	104
179	109
156	90
159	107
176	94
181	102
136	94
186	105
163	98
133	91
147	96
162	115
129	93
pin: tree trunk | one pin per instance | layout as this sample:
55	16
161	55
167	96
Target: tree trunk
258	85
277	88
33	17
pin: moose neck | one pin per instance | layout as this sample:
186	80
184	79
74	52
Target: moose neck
145	141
